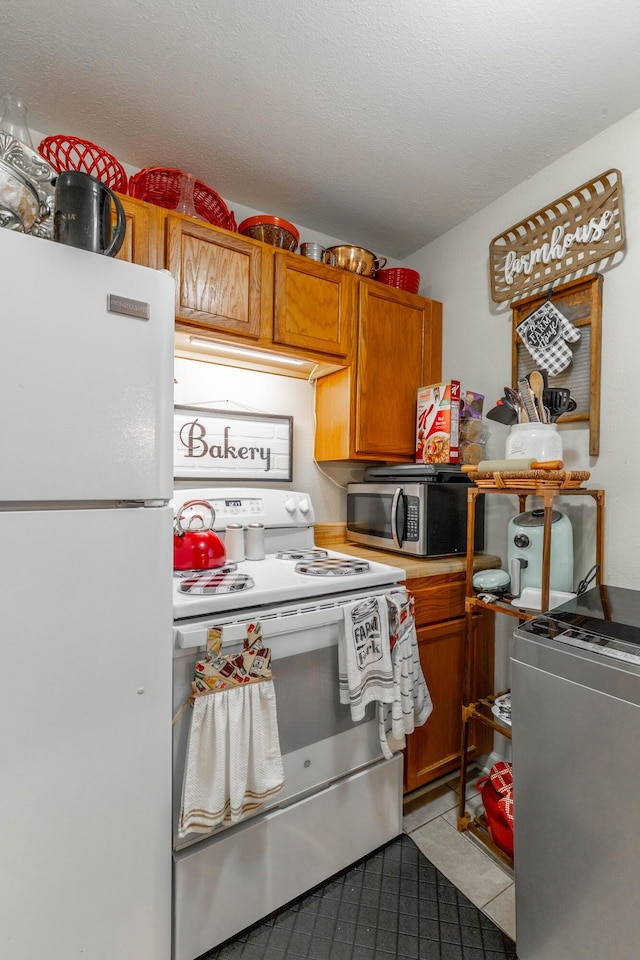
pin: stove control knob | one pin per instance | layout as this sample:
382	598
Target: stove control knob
303	506
289	505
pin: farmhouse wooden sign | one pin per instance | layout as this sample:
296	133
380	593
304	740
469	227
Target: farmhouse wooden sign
582	228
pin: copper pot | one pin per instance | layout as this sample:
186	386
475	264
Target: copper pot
355	259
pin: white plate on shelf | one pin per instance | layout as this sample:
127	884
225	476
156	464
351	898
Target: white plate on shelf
502	709
531	599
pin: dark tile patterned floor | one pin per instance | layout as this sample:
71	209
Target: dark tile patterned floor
394	904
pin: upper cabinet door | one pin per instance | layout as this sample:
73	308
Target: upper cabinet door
141	240
314	306
399	350
222	279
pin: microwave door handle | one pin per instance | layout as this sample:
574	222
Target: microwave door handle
398	499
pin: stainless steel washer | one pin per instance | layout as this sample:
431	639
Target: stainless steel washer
576	755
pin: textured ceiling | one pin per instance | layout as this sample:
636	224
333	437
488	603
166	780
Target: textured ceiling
382	123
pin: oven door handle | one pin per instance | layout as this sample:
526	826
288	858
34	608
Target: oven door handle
277	624
397	519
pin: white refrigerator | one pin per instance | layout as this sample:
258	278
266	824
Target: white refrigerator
86	400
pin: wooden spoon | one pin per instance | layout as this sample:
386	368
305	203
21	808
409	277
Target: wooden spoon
536	382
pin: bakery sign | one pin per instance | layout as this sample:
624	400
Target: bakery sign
582	228
222	445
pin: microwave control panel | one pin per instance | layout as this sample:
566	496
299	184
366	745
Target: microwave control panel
412	519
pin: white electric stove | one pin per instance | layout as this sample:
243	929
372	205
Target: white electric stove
338	786
293	567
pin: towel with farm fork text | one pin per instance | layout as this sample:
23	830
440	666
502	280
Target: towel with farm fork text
365	674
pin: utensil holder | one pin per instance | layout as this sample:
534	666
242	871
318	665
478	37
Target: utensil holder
537	441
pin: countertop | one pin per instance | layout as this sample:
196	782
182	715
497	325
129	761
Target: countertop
333	537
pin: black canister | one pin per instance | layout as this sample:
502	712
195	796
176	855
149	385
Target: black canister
82	214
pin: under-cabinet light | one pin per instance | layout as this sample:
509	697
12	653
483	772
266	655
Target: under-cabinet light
223	350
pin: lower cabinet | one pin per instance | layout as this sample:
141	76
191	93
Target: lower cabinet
434	749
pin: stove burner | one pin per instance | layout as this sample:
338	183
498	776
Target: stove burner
228	567
313	553
333	567
217	581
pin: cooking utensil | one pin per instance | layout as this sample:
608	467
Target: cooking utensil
527	400
584	583
315	251
515	400
558	400
490	466
355	259
200	548
503	413
536	382
273	230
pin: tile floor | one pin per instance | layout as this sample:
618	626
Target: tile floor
393	905
430	819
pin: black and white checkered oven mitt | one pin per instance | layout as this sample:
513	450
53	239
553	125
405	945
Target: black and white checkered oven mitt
546	334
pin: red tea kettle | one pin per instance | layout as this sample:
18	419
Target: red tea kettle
200	548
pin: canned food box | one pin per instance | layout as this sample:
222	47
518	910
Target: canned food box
437	428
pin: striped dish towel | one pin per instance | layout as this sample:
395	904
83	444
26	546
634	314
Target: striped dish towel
411	704
233	763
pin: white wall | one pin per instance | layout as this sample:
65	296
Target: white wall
214	386
477	332
477	350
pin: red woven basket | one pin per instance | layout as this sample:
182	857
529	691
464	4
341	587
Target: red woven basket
161	185
70	153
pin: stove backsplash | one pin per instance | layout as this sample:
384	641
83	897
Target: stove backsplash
218	387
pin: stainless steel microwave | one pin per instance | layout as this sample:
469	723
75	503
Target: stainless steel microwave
422	518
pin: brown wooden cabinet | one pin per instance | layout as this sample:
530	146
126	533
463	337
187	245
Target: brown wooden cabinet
434	749
368	411
223	281
314	306
373	345
142	241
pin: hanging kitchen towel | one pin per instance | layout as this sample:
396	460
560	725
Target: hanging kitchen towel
411	705
364	655
233	763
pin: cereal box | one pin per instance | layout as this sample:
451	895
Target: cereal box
438	423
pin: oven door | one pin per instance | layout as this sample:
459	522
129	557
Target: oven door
319	741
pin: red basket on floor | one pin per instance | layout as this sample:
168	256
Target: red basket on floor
71	153
497	800
161	185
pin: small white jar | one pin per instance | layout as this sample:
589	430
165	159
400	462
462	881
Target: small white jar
255	541
234	542
534	441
